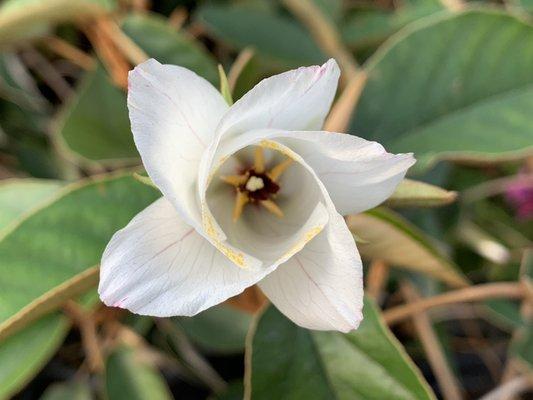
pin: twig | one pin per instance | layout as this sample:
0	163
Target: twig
473	293
487	354
342	111
483	243
453	5
178	17
376	279
447	381
236	69
511	388
495	187
26	93
87	327
123	42
114	61
42	67
325	34
69	52
140	5
195	361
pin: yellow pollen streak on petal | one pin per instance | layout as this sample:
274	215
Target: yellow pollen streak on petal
240	201
272	207
279	169
259	160
235	180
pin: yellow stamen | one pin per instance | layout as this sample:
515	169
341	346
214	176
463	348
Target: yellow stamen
235	180
272	207
240	201
259	160
279	169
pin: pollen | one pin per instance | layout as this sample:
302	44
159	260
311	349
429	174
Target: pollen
257	185
254	183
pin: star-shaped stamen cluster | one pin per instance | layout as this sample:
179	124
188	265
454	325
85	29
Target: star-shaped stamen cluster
257	185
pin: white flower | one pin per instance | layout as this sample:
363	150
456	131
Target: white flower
252	193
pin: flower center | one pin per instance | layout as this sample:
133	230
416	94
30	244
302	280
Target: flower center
254	183
257	185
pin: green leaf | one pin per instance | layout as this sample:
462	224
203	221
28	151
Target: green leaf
224	85
504	313
277	39
363	29
23	355
19	195
74	390
387	236
129	377
159	40
22	19
220	330
450	104
289	362
50	253
411	193
94	127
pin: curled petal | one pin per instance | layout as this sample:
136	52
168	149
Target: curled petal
159	265
357	173
174	114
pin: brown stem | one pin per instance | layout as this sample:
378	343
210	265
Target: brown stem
87	327
325	34
473	293
448	383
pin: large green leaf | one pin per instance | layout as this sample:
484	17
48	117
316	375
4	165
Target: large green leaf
159	40
20	19
367	28
50	252
72	390
461	97
387	236
128	377
94	126
276	38
23	355
289	362
218	330
19	195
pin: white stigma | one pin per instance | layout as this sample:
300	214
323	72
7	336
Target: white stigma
254	183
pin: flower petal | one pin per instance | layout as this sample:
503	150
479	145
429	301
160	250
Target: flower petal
321	287
294	100
357	173
158	265
174	114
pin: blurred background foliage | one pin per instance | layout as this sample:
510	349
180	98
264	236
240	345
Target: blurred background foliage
449	308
